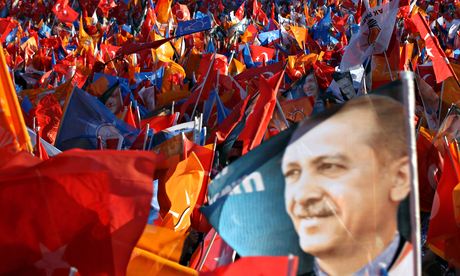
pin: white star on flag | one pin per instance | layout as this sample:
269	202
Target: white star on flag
429	53
51	260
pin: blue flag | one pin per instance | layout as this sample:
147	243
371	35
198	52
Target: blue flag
322	29
266	38
44	31
86	118
193	26
247	205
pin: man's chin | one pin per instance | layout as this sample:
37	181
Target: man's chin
317	244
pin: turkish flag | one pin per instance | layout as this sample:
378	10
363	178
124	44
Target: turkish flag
65	13
261	54
441	64
80	210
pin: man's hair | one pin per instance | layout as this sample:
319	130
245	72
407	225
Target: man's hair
387	134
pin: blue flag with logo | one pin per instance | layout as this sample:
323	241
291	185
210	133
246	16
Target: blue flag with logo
246	205
86	118
266	38
193	26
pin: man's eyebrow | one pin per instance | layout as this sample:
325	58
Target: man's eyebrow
330	157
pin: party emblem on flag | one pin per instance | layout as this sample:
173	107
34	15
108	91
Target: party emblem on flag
374	31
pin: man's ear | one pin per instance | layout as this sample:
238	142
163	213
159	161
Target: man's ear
401	185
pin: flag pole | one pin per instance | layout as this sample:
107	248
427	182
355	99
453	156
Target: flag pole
441	95
204	82
407	78
388	65
147	127
207	251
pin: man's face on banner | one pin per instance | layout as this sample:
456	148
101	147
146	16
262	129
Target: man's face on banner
336	193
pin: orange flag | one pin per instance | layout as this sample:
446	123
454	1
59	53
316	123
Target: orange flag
163	9
11	118
181	192
300	35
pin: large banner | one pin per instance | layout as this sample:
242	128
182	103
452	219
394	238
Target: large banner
333	190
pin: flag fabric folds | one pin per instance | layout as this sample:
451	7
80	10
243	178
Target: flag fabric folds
89	209
86	118
11	118
374	34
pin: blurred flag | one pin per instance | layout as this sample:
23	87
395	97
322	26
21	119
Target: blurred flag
206	156
260	265
106	194
451	94
159	123
239	13
193	26
48	113
374	35
260	114
429	164
250	188
219	253
64	12
181	12
158	252
300	35
444	232
11	118
85	118
163	10
441	64
179	194
261	54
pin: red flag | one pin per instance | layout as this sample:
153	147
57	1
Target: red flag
80	209
266	265
239	13
159	123
219	253
39	149
429	169
129	117
48	113
63	12
443	232
206	156
261	54
441	64
262	111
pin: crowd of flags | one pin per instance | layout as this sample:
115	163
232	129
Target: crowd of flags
122	123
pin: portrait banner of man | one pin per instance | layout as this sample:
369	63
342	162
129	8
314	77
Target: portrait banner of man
337	190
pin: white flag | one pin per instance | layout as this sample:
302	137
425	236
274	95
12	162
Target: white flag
374	34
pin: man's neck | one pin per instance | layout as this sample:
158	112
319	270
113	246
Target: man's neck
350	261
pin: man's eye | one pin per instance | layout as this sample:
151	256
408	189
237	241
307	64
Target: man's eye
330	167
292	173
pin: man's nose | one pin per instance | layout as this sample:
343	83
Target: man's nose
308	189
